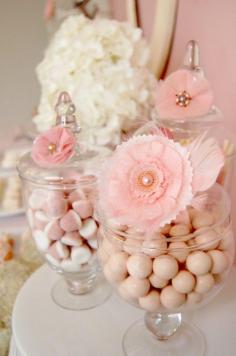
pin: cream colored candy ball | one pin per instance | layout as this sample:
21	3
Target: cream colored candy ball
220	261
132	246
194	298
165	267
203	219
183	282
115	270
220	278
191	244
125	293
199	263
204	283
179	230
170	298
179	250
226	242
139	266
208	240
110	247
165	229
158	282
135	287
154	248
151	302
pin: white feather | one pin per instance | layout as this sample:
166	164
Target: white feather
207	160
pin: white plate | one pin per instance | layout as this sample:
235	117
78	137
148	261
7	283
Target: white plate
7	213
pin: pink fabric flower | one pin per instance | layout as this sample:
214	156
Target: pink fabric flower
147	182
184	94
151	179
54	146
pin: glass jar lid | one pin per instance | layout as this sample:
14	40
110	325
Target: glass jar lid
72	164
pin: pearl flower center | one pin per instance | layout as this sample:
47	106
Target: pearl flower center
146	180
183	99
52	147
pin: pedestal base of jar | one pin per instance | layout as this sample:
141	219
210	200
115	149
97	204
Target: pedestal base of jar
139	341
97	295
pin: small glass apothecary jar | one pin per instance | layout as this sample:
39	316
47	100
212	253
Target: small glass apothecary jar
59	201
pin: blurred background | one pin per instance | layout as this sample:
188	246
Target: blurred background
24	36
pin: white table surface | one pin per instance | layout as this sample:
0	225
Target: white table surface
41	328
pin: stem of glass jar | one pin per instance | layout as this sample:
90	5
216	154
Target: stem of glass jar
163	325
80	283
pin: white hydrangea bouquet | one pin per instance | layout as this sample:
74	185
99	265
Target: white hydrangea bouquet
103	64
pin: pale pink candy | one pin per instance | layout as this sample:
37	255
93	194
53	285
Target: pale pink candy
52	260
63	251
56	204
76	195
55	195
41	240
53	252
70	266
88	229
84	208
184	80
53	230
72	239
93	243
95	216
37	199
81	254
61	138
40	220
70	221
58	250
166	165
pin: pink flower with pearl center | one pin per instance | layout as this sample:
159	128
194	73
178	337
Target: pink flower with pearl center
184	94
150	180
147	182
54	146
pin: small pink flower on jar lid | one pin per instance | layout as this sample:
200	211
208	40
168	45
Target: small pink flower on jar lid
54	146
184	94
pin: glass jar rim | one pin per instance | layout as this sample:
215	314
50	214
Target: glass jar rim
212	116
58	184
122	236
52	181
